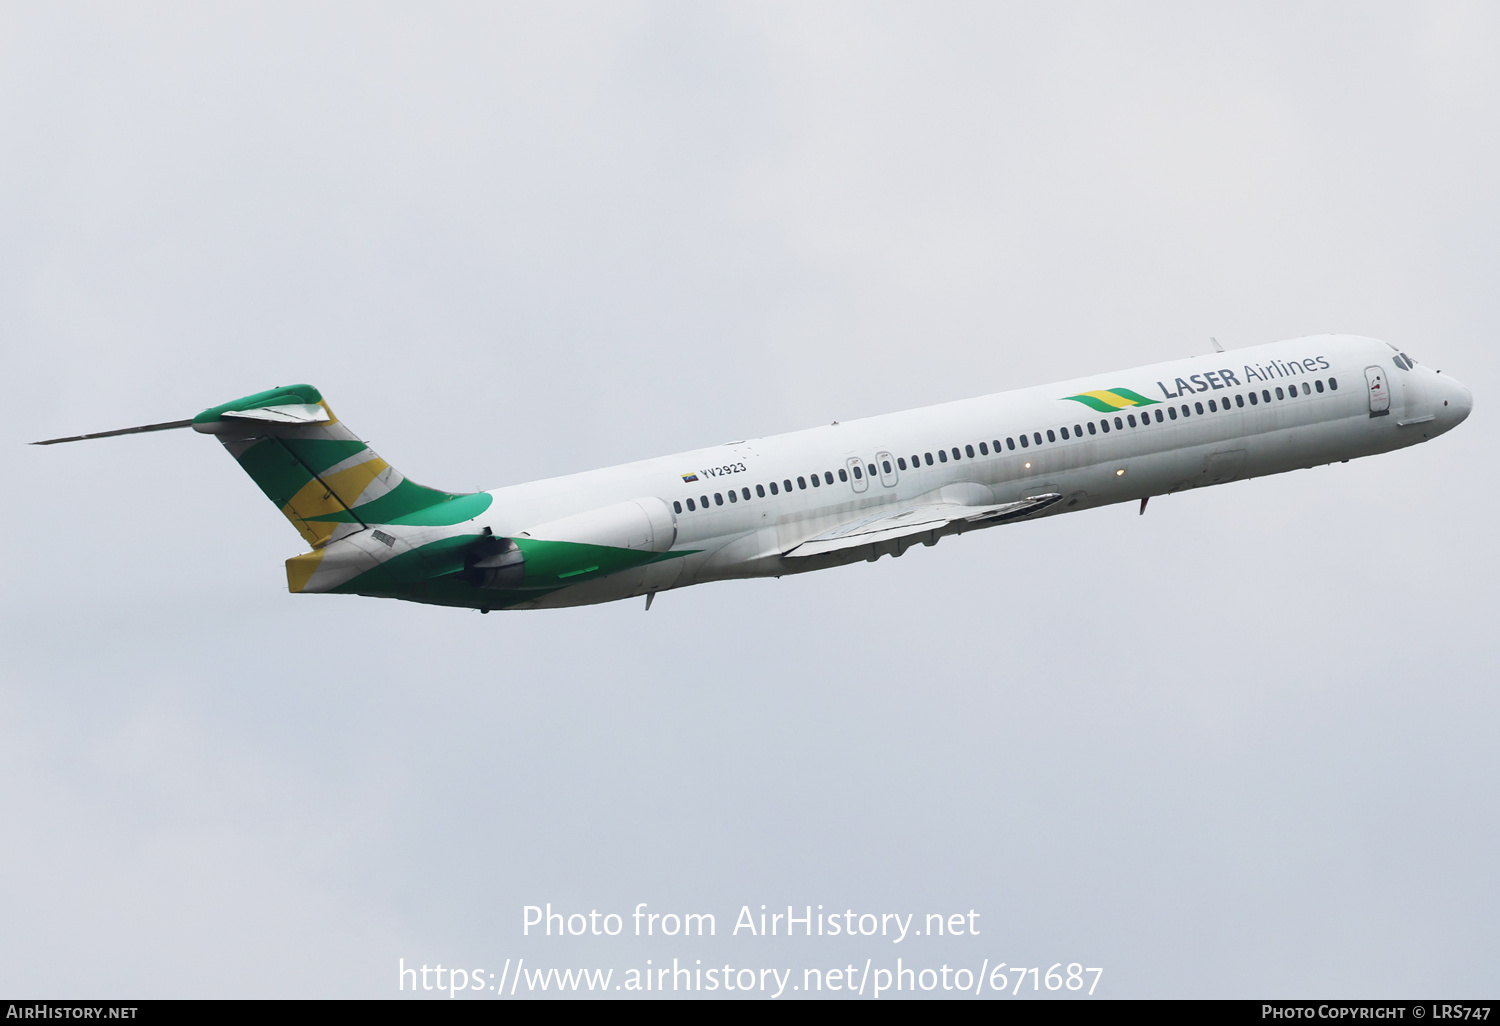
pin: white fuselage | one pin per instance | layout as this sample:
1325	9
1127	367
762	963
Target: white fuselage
1102	460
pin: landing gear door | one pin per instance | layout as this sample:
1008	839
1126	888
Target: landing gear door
857	479
1380	391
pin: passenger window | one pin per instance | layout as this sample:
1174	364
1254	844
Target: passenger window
733	495
858	476
900	462
1239	401
929	459
1064	433
828	477
942	455
870	470
746	493
969	451
1010	443
1198	409
802	484
1333	384
1158	416
703	499
1185	410
786	486
1130	419
1051	435
984	450
1119	426
1037	437
1318	384
676	506
843	475
1266	395
885	465
1104	426
718	499
816	482
955	452
1025	441
1211	407
773	488
1092	429
996	444
1172	412
760	491
1254	399
691	507
1078	430
1307	389
1278	393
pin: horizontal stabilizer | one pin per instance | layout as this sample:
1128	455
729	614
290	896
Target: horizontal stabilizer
169	425
891	524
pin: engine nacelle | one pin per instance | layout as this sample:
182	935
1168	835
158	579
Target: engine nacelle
645	525
576	548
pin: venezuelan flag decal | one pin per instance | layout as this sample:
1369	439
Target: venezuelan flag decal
1113	399
689	478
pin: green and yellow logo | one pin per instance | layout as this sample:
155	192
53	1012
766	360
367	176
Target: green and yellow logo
1112	399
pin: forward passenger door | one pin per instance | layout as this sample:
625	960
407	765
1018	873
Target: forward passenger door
1380	391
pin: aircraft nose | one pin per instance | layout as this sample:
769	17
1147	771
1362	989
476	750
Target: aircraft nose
1457	400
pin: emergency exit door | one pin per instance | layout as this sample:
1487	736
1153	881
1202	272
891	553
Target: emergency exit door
855	467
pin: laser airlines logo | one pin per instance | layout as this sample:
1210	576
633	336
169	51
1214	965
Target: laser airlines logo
1111	400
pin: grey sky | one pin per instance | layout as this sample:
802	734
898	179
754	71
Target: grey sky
1242	745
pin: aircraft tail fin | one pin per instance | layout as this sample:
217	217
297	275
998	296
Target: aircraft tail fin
322	477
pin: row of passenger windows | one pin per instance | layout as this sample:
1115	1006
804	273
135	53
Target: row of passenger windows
760	490
1026	441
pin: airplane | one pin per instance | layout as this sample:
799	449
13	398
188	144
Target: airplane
825	496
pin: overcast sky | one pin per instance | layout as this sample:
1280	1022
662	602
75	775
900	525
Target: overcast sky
1241	746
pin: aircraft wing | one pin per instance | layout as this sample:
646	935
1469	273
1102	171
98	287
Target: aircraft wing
890	524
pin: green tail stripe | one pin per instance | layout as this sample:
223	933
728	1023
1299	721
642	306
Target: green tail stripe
455	510
397	574
404	500
1092	403
275	470
1135	397
321	453
283	466
433	572
548	562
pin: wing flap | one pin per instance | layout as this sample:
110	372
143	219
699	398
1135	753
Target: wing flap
891	524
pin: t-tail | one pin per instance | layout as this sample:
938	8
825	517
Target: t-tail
322	477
